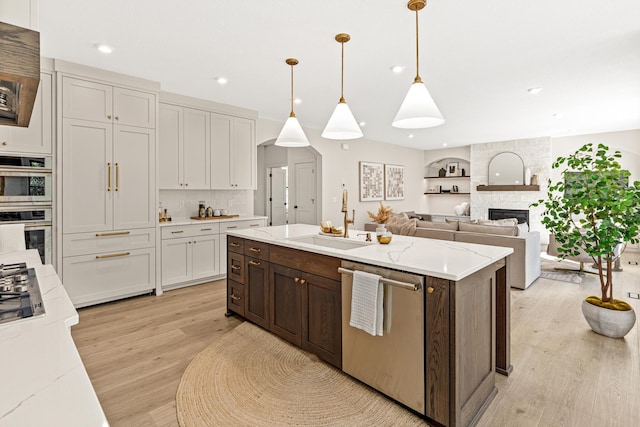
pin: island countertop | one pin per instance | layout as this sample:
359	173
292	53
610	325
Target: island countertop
438	258
44	381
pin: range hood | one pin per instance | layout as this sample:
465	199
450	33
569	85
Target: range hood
19	73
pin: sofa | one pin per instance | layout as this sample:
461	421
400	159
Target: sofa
524	262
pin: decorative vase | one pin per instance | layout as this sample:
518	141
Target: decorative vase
534	179
442	172
527	176
607	322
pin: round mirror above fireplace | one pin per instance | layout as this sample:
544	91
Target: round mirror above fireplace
506	168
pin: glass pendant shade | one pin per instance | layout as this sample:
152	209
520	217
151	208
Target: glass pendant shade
292	134
418	110
342	124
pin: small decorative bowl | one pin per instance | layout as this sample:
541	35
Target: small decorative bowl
384	239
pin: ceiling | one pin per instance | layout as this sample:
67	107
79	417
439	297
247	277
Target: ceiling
477	58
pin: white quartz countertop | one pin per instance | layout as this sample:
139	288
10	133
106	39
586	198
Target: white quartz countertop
189	221
44	382
439	258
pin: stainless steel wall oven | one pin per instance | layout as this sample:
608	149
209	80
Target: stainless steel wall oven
26	198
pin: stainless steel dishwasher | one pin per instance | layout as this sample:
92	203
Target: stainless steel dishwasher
394	362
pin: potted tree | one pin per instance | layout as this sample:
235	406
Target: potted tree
595	208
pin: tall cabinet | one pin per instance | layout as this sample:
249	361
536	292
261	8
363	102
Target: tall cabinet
108	168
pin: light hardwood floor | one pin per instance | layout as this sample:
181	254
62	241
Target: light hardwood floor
564	374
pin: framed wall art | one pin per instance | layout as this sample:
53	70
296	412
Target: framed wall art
371	181
394	182
453	169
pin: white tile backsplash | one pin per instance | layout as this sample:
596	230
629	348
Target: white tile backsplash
184	203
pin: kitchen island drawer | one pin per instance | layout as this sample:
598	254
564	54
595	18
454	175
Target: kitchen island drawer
77	244
235	296
322	265
235	244
242	225
171	232
257	250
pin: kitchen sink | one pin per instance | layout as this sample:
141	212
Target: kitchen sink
330	242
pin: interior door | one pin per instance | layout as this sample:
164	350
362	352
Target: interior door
277	196
305	193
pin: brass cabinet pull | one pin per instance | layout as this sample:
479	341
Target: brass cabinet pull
117	117
235	245
232	226
112	255
252	262
303	281
115	233
430	290
256	250
205	229
108	176
117	177
5	143
235	267
109	117
177	232
234	297
186	184
254	225
296	279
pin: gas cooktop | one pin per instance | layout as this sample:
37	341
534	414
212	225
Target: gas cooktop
20	295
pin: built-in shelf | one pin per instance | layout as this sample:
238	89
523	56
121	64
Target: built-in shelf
508	188
447	177
447	193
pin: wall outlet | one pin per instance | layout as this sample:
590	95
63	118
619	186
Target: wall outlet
181	204
634	295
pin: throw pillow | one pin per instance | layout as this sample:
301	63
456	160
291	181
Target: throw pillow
504	221
502	230
402	226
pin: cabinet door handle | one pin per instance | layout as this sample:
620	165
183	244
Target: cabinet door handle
302	281
256	250
252	262
5	143
430	290
234	245
234	297
117	177
115	233
117	117
186	184
235	267
109	117
232	226
254	225
296	279
177	232
108	176
112	255
205	229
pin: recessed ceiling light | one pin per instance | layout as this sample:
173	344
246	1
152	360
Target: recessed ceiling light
297	101
557	115
444	145
362	123
397	69
222	80
410	135
104	48
534	90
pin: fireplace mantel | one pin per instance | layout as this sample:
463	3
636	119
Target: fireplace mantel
508	188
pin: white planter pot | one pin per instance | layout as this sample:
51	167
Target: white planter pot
610	323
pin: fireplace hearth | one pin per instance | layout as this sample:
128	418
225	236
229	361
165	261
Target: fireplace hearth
521	214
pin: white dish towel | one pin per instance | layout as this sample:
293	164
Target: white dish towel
12	238
367	298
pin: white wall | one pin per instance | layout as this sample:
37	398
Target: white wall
342	166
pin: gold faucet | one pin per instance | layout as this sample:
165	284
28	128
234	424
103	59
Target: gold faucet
348	221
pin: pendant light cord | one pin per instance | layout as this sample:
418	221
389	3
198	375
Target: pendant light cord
292	113
417	79
342	76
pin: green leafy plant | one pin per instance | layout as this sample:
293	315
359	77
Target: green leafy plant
593	207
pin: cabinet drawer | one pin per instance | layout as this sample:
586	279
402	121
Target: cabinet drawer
235	244
92	279
235	297
256	249
321	265
92	243
235	267
242	225
172	232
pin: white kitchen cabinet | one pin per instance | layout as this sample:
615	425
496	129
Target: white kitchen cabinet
38	136
108	177
233	153
184	158
92	279
190	254
98	102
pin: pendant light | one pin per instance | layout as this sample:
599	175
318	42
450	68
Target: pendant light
342	124
418	110
292	134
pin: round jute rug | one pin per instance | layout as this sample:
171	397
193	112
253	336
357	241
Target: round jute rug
249	377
